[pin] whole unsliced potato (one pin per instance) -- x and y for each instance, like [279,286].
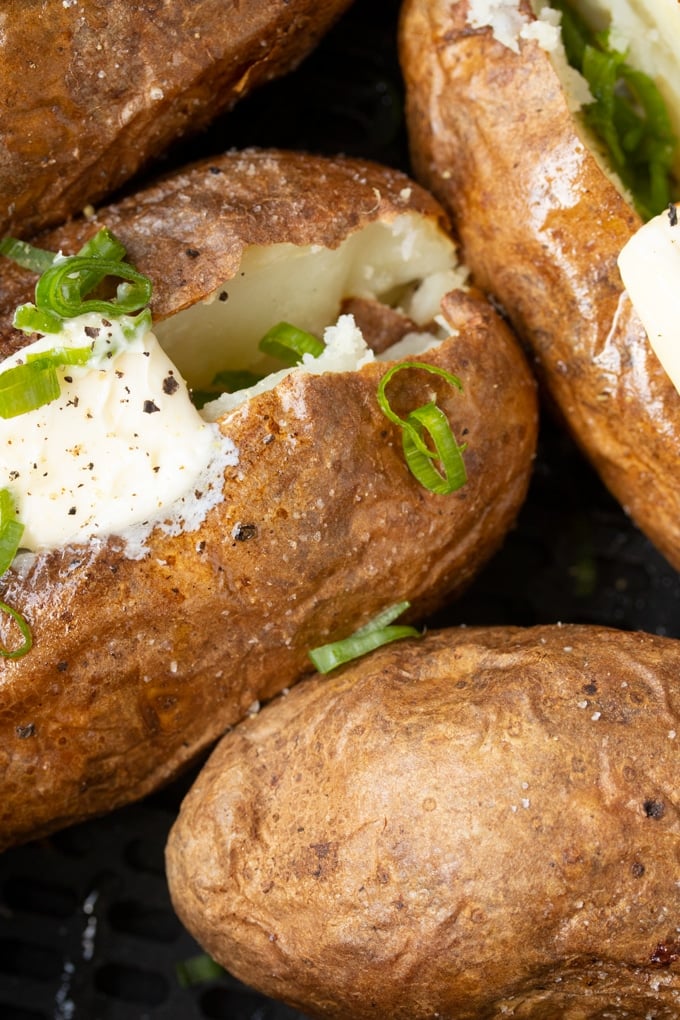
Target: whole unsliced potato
[477,824]
[305,523]
[495,135]
[91,92]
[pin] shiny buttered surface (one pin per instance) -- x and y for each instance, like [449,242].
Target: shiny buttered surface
[493,133]
[307,520]
[478,823]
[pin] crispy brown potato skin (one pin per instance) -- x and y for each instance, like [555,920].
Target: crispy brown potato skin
[541,227]
[479,823]
[92,92]
[138,666]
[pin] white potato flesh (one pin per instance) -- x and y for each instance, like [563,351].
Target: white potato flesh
[408,263]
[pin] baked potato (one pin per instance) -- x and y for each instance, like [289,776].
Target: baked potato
[193,576]
[482,822]
[496,135]
[92,92]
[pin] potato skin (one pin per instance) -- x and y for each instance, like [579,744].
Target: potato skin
[188,229]
[541,227]
[487,815]
[139,665]
[92,92]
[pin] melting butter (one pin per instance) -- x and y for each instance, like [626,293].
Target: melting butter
[649,264]
[121,443]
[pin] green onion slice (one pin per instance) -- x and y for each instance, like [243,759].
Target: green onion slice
[66,281]
[628,113]
[26,255]
[11,530]
[30,319]
[374,634]
[63,286]
[26,387]
[288,343]
[431,419]
[198,969]
[16,653]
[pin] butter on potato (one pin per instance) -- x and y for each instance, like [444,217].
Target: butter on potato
[152,639]
[495,136]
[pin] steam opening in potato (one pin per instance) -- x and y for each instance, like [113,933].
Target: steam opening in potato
[400,269]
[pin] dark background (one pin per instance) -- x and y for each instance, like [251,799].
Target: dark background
[86,926]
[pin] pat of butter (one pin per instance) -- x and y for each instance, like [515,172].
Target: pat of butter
[121,442]
[650,269]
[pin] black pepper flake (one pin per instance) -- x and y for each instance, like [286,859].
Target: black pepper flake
[150,407]
[637,869]
[106,322]
[72,511]
[92,331]
[244,532]
[654,808]
[170,384]
[23,732]
[62,666]
[223,296]
[68,378]
[192,253]
[672,215]
[215,170]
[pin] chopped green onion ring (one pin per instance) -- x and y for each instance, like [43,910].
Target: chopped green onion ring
[62,289]
[26,255]
[432,419]
[26,387]
[30,319]
[17,653]
[198,969]
[11,531]
[628,113]
[288,343]
[376,633]
[63,286]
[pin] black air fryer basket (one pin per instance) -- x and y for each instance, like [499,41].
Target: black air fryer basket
[87,931]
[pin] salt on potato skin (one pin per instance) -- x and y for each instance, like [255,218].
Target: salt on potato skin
[139,663]
[445,810]
[541,225]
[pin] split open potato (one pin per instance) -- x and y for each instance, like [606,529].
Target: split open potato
[292,517]
[498,133]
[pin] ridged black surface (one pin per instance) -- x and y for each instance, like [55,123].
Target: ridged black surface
[87,931]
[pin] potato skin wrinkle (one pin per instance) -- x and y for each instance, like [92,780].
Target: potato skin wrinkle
[90,94]
[541,226]
[139,665]
[487,815]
